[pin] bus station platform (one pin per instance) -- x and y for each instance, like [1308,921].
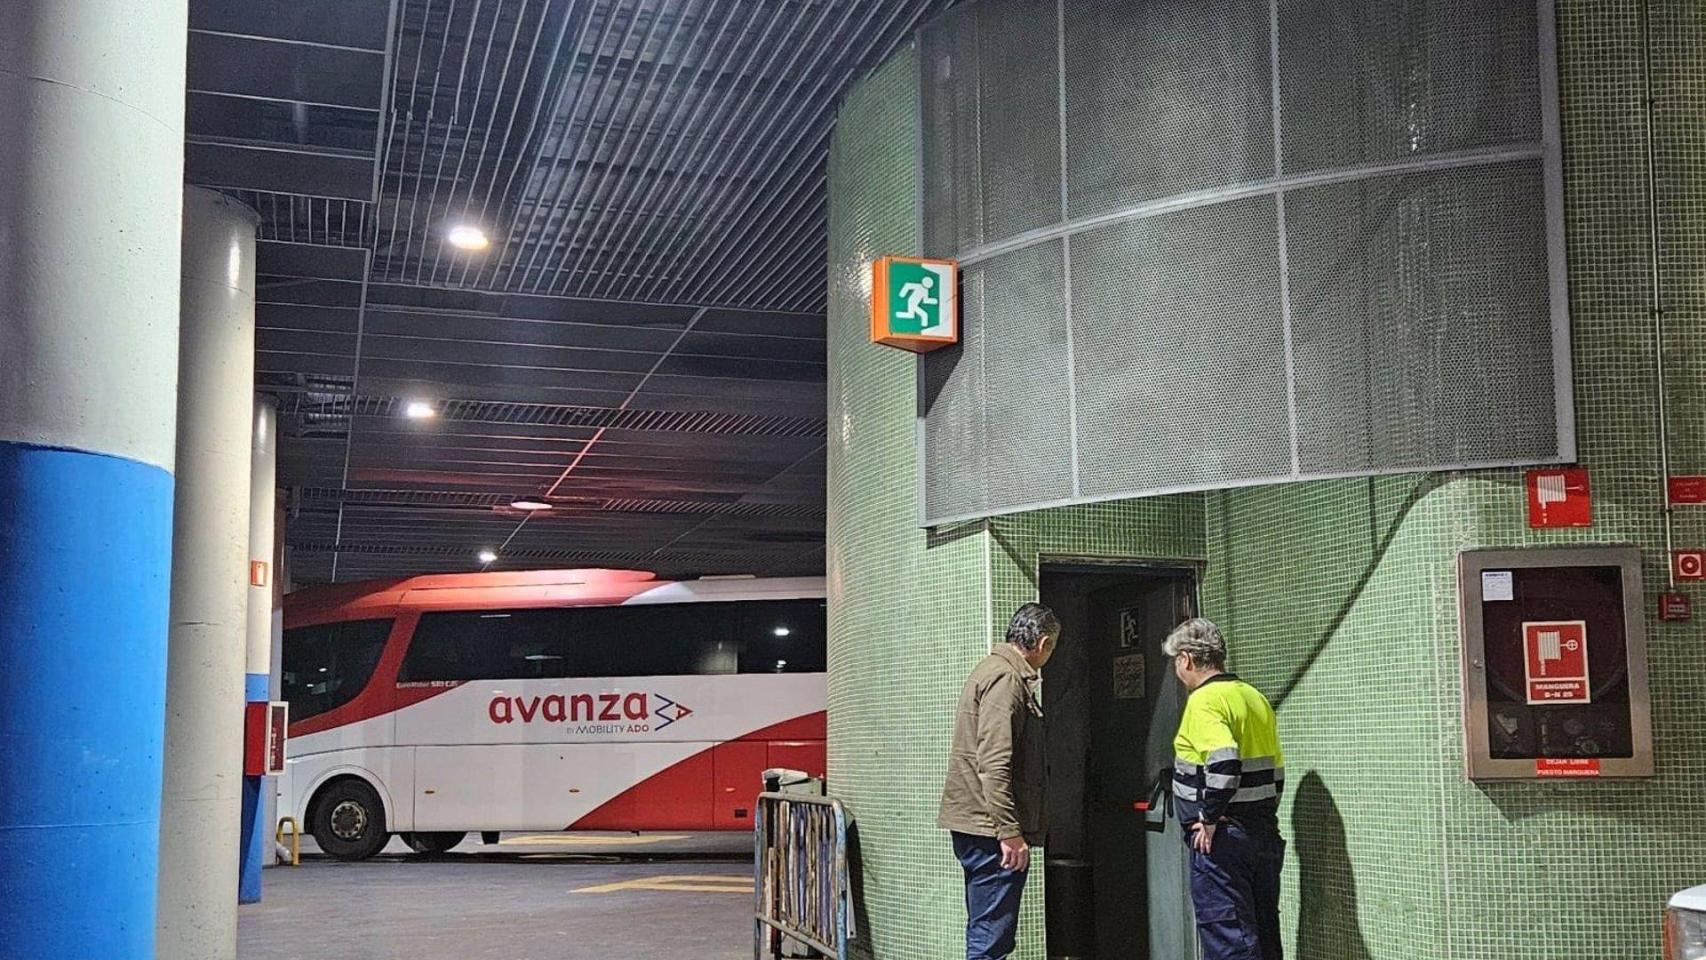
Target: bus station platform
[529,897]
[598,425]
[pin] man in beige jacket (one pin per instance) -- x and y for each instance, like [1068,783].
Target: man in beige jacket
[992,802]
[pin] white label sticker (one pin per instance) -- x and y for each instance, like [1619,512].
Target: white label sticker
[1496,585]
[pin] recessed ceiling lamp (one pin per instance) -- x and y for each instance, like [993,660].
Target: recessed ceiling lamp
[465,237]
[488,556]
[531,506]
[419,410]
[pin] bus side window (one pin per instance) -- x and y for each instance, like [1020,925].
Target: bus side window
[491,645]
[647,640]
[782,636]
[639,640]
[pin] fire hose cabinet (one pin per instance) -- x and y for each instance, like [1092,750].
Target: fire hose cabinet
[264,726]
[1554,663]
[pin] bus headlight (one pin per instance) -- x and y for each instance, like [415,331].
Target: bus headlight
[1685,934]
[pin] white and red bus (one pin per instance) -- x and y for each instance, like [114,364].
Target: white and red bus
[572,699]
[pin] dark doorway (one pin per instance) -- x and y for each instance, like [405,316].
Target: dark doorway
[1115,890]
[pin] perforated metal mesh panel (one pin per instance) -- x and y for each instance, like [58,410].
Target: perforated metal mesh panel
[1164,97]
[1026,376]
[991,96]
[1421,330]
[1382,80]
[953,178]
[952,402]
[1180,350]
[1003,393]
[1287,240]
[1020,128]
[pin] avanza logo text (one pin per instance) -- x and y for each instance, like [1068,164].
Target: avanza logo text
[587,707]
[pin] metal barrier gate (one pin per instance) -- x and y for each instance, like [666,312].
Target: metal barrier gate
[800,875]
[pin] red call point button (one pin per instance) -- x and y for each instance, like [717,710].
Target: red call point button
[1673,606]
[1689,564]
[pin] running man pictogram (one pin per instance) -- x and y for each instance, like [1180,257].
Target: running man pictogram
[918,300]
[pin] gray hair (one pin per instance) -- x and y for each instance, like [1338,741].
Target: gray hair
[1029,625]
[1200,640]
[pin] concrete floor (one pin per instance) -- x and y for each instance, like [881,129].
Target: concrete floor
[533,897]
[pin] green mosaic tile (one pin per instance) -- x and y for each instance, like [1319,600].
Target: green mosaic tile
[895,657]
[911,613]
[1338,597]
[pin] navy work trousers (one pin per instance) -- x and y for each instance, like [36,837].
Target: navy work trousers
[992,897]
[1235,888]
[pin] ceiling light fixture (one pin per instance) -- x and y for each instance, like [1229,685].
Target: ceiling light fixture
[465,237]
[781,631]
[530,506]
[488,556]
[419,410]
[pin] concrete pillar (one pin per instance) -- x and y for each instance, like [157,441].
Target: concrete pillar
[202,792]
[256,840]
[91,174]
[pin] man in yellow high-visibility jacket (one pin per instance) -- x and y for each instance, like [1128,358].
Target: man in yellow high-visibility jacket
[1228,773]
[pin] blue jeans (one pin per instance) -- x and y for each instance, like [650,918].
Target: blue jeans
[1235,889]
[992,897]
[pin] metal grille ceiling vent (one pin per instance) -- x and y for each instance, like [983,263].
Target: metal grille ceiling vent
[544,414]
[662,150]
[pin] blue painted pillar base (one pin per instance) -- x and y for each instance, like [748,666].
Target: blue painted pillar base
[85,580]
[255,843]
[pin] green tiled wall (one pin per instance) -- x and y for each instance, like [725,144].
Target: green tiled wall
[911,613]
[1339,597]
[893,655]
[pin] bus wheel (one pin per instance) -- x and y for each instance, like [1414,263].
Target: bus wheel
[349,821]
[432,843]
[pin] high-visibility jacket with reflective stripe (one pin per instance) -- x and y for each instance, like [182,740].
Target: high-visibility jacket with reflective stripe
[1227,758]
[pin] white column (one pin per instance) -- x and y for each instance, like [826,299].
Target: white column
[202,793]
[91,181]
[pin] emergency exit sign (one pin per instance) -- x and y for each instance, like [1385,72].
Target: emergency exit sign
[915,303]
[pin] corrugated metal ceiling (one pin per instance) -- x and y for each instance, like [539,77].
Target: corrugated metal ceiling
[642,341]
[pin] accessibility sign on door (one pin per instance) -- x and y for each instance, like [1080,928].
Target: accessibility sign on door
[1556,654]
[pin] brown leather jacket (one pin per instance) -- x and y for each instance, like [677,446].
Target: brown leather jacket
[996,763]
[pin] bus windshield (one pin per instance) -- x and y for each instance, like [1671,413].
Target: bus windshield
[327,665]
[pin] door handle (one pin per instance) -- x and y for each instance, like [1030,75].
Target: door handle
[1159,804]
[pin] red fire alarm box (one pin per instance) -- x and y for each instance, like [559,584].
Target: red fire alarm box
[1554,664]
[263,738]
[1673,606]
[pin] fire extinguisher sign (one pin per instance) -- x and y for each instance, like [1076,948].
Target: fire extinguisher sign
[1556,660]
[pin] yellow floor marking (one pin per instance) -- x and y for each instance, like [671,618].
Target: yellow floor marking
[585,840]
[699,883]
